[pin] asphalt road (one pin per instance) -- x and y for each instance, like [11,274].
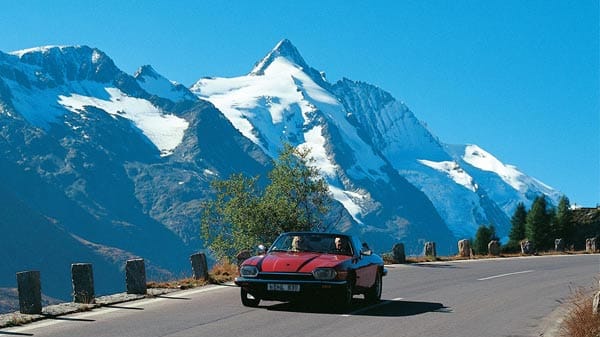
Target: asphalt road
[502,297]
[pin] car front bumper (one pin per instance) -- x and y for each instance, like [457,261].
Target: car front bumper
[259,288]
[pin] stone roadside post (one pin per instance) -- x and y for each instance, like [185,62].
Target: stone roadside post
[596,303]
[494,248]
[526,247]
[30,292]
[590,245]
[135,276]
[464,248]
[559,245]
[430,249]
[82,277]
[199,266]
[398,253]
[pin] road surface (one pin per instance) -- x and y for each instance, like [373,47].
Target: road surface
[497,297]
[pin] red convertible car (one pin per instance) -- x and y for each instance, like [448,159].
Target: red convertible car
[306,264]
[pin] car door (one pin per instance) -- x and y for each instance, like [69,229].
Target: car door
[366,270]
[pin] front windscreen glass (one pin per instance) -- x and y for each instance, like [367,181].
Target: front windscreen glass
[313,242]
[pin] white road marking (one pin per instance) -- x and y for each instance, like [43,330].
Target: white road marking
[358,311]
[503,275]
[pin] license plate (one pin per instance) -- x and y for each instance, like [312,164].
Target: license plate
[283,287]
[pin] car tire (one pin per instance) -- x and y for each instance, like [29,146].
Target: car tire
[344,298]
[247,300]
[373,295]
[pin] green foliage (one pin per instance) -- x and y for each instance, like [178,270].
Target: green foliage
[563,221]
[538,227]
[484,235]
[517,231]
[242,215]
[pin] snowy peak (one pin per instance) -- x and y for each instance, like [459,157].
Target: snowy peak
[146,71]
[155,84]
[69,63]
[284,49]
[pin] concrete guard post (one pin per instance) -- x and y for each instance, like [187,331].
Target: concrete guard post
[596,303]
[494,248]
[590,245]
[399,253]
[30,292]
[199,266]
[430,249]
[82,277]
[526,247]
[559,245]
[464,248]
[135,276]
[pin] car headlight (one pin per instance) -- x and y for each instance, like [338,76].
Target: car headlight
[248,271]
[324,273]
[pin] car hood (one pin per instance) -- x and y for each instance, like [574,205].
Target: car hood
[304,262]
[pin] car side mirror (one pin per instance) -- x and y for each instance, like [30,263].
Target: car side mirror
[261,250]
[366,252]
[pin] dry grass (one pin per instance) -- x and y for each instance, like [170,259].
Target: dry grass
[580,321]
[17,320]
[220,273]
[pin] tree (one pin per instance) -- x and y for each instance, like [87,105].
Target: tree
[243,215]
[483,236]
[537,227]
[517,231]
[563,221]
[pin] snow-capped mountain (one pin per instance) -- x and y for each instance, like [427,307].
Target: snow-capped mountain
[100,166]
[114,170]
[360,136]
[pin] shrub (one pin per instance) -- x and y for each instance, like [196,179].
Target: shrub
[580,321]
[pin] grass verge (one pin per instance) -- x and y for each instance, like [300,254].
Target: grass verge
[220,273]
[580,321]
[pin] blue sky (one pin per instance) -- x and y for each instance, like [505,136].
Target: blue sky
[519,78]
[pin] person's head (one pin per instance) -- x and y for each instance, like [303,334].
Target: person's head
[339,244]
[296,242]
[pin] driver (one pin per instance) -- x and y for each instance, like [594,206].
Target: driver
[297,243]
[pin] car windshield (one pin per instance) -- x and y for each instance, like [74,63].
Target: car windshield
[313,242]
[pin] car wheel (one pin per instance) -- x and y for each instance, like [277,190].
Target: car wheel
[249,300]
[344,299]
[373,295]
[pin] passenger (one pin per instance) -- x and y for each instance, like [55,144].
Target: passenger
[341,246]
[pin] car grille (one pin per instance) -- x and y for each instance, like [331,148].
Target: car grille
[286,276]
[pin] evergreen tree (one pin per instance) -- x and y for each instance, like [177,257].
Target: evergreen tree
[243,215]
[517,231]
[484,235]
[563,220]
[537,227]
